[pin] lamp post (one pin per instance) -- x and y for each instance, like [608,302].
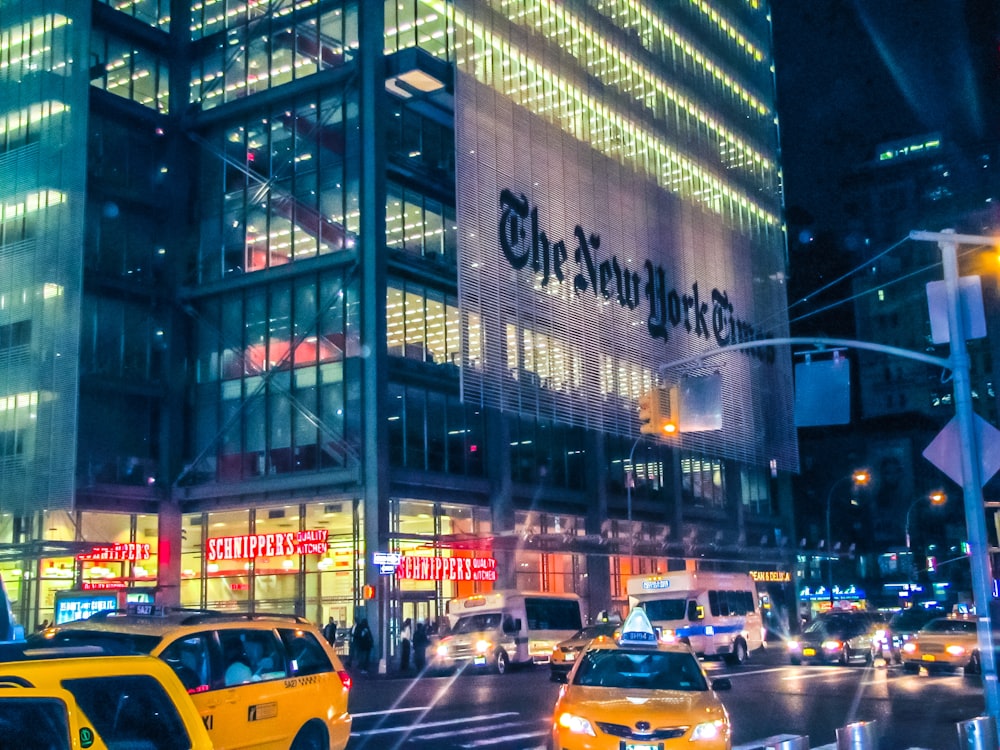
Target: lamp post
[935,498]
[629,481]
[972,479]
[860,477]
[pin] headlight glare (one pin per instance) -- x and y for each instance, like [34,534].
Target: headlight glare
[576,724]
[710,730]
[483,647]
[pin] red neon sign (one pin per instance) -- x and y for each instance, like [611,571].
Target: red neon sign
[417,568]
[250,546]
[125,552]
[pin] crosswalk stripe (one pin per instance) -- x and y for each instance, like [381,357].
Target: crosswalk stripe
[500,740]
[444,723]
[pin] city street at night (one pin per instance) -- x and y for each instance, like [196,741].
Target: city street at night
[769,698]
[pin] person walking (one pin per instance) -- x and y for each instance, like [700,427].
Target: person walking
[330,632]
[362,643]
[404,652]
[420,642]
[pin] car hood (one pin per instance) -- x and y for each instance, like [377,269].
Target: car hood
[658,707]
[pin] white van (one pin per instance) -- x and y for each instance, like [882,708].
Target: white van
[503,628]
[718,614]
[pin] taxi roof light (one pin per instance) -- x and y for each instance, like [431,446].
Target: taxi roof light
[637,629]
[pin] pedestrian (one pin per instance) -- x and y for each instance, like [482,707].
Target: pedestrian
[404,652]
[362,643]
[420,641]
[330,632]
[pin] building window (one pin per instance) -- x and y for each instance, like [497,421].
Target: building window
[429,430]
[755,486]
[703,480]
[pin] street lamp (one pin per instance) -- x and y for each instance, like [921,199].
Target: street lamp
[935,498]
[860,477]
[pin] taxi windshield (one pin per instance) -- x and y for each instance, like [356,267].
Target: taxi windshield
[640,669]
[477,623]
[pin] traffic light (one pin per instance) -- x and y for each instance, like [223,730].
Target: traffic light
[368,591]
[655,414]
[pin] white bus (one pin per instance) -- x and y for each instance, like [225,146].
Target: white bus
[503,628]
[718,614]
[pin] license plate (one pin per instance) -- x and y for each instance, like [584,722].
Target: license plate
[570,657]
[809,652]
[928,657]
[640,746]
[479,660]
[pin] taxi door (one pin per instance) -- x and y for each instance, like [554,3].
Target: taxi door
[250,713]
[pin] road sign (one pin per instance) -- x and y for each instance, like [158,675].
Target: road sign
[945,450]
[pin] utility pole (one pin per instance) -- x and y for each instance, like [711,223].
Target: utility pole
[972,484]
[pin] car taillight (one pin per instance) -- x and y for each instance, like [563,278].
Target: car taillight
[345,679]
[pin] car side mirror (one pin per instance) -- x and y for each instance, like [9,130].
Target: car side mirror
[722,683]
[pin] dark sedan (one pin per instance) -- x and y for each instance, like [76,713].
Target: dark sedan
[837,638]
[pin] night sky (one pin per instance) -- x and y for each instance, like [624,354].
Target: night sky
[854,73]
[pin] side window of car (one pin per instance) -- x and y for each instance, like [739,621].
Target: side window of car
[251,655]
[306,654]
[190,659]
[130,711]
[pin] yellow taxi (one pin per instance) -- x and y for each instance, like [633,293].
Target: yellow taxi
[944,643]
[261,681]
[86,700]
[636,692]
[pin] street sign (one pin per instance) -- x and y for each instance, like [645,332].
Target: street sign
[387,562]
[970,293]
[945,450]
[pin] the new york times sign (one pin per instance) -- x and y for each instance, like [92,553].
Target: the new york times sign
[669,309]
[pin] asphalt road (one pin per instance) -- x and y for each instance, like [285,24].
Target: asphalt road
[769,698]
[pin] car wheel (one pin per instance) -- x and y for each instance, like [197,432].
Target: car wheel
[738,654]
[795,661]
[911,667]
[310,737]
[844,659]
[500,662]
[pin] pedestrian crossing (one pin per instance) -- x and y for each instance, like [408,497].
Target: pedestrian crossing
[502,730]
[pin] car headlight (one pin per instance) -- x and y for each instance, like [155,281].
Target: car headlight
[794,645]
[483,647]
[955,650]
[832,645]
[909,647]
[576,724]
[710,730]
[442,650]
